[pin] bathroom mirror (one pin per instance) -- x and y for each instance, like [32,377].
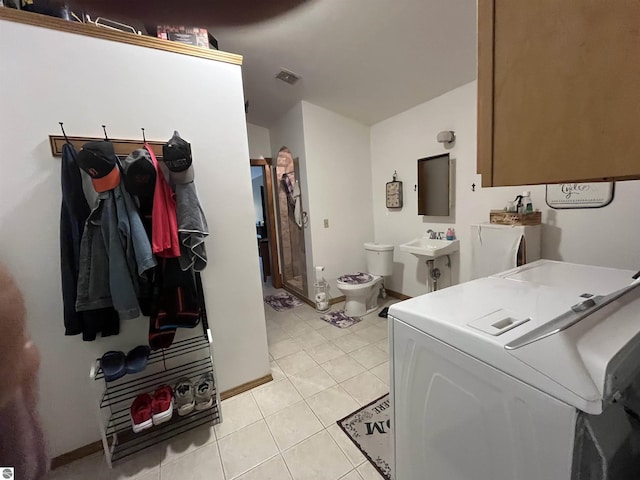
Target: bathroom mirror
[433,186]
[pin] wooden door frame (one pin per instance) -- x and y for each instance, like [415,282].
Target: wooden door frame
[276,278]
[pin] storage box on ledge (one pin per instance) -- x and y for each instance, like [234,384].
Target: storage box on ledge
[198,37]
[500,217]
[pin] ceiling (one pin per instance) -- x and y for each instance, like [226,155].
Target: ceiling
[365,59]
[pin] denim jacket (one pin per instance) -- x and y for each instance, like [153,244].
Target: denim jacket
[114,252]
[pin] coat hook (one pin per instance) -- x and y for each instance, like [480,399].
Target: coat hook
[473,187]
[395,175]
[144,139]
[63,132]
[104,129]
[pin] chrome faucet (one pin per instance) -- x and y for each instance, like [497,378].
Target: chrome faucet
[432,234]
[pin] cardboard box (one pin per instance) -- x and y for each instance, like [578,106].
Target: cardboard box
[189,35]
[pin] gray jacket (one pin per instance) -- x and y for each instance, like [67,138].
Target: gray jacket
[114,252]
[192,228]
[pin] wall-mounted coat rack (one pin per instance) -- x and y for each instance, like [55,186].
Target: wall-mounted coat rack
[190,357]
[122,147]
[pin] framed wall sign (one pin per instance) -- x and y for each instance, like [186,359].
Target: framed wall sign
[393,193]
[580,195]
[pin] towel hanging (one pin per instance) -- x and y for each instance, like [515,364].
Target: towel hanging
[288,189]
[297,208]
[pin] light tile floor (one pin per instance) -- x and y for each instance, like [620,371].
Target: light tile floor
[283,430]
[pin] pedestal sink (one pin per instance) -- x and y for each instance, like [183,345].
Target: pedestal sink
[426,248]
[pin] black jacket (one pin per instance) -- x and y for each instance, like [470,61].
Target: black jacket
[73,215]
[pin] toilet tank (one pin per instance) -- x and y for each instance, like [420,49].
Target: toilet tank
[379,258]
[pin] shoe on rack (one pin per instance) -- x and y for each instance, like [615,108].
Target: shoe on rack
[141,413]
[162,405]
[185,399]
[137,359]
[113,365]
[204,392]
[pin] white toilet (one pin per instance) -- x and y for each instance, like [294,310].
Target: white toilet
[361,289]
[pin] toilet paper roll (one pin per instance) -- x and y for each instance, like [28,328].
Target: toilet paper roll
[319,276]
[321,297]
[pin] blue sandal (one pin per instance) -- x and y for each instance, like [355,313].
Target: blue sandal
[116,365]
[113,365]
[137,359]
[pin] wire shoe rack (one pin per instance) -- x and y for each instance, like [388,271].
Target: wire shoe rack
[190,358]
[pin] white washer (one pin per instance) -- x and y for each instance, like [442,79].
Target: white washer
[496,248]
[491,382]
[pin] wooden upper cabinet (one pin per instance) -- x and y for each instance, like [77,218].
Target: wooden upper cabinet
[558,91]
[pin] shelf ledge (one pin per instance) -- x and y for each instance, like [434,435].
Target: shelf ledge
[89,30]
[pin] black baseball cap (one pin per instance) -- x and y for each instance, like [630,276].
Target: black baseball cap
[176,155]
[99,160]
[139,173]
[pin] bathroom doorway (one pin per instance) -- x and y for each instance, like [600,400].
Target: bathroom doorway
[266,237]
[291,222]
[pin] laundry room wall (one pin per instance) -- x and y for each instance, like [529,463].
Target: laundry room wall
[85,82]
[604,236]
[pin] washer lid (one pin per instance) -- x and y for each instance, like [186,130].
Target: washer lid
[378,247]
[355,278]
[584,365]
[593,280]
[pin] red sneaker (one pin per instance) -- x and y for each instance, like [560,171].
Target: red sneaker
[141,413]
[162,405]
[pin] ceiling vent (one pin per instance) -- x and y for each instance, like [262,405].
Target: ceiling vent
[288,77]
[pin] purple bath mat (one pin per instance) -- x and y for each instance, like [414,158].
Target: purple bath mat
[282,301]
[339,319]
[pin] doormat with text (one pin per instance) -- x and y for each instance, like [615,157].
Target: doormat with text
[369,429]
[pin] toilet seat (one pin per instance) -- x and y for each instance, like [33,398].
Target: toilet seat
[358,278]
[357,281]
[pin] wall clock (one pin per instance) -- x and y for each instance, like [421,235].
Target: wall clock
[394,193]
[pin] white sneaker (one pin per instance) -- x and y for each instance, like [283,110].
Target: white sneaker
[184,394]
[204,392]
